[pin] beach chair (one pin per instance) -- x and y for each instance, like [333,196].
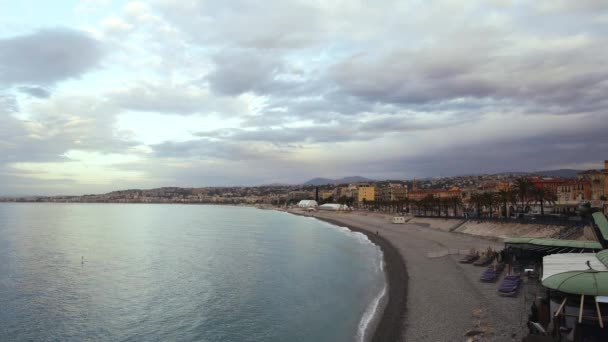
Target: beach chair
[509,286]
[485,261]
[469,259]
[492,273]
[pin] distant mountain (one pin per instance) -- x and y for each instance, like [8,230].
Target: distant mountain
[352,179]
[320,181]
[562,173]
[325,181]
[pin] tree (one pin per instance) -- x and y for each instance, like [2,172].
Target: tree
[505,197]
[489,201]
[477,199]
[523,188]
[455,203]
[542,196]
[428,203]
[416,204]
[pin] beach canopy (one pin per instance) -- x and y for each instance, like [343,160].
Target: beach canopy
[559,263]
[603,257]
[553,245]
[588,282]
[602,224]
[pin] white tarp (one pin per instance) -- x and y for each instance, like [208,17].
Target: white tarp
[333,206]
[560,263]
[307,204]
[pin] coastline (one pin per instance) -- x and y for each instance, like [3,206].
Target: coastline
[389,326]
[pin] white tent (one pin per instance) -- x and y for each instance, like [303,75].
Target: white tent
[333,206]
[308,204]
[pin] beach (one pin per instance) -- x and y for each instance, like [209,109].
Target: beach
[432,297]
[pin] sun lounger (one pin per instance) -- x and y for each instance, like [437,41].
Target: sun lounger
[485,261]
[509,285]
[491,273]
[469,259]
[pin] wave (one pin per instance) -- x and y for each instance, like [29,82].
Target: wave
[362,238]
[370,314]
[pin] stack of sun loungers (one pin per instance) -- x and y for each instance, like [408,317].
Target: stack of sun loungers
[509,285]
[469,259]
[484,261]
[492,273]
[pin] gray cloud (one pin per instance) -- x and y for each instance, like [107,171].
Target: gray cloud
[60,125]
[246,23]
[47,56]
[345,130]
[314,88]
[209,150]
[567,80]
[239,70]
[38,92]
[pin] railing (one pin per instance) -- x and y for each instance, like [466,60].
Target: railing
[544,220]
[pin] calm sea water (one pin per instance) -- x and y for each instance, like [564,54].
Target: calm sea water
[181,273]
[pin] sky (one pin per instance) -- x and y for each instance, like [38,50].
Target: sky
[101,95]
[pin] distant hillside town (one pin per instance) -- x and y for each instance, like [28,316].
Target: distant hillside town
[480,195]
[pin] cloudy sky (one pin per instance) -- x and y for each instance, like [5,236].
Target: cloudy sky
[99,95]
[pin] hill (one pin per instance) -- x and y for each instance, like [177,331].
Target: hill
[325,181]
[562,173]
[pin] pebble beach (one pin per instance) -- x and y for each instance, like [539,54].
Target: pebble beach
[432,297]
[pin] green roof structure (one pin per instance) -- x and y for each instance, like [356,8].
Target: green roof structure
[588,282]
[602,224]
[603,257]
[554,244]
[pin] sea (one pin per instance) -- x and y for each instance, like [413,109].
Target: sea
[156,272]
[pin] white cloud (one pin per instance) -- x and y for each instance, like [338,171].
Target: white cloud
[246,92]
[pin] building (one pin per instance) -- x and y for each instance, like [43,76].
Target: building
[573,191]
[597,178]
[571,194]
[391,193]
[418,194]
[325,194]
[299,195]
[550,184]
[366,193]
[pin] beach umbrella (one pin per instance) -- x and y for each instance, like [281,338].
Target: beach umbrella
[589,282]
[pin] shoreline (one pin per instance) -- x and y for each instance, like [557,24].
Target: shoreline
[389,326]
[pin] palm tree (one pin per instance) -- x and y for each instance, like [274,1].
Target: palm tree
[489,201]
[542,196]
[477,199]
[427,203]
[417,205]
[523,188]
[505,197]
[455,203]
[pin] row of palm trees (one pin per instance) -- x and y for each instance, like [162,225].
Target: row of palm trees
[518,198]
[504,202]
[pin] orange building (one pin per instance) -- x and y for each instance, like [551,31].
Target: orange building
[418,194]
[550,184]
[573,191]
